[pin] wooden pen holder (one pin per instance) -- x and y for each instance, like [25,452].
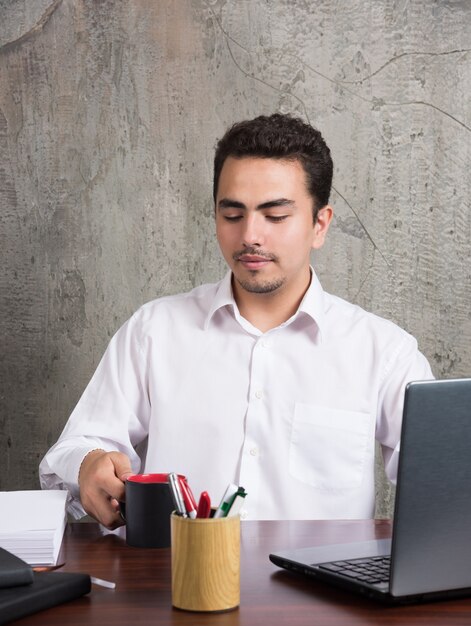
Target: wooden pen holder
[205,563]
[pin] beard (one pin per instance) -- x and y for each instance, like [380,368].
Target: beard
[258,286]
[254,285]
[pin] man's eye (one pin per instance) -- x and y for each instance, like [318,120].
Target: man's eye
[276,218]
[232,218]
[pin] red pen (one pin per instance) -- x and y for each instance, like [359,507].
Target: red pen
[189,500]
[204,505]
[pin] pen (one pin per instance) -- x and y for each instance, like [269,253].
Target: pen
[237,503]
[204,505]
[227,500]
[103,583]
[188,499]
[176,492]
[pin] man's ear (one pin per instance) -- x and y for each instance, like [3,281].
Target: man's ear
[324,217]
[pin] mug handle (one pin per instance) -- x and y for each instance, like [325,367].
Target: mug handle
[122,510]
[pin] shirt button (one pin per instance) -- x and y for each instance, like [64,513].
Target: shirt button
[244,514]
[266,343]
[259,394]
[253,452]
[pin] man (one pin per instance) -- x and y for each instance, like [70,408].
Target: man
[262,379]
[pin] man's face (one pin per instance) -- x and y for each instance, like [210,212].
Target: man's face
[264,224]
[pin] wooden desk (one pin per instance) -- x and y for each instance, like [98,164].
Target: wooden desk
[269,596]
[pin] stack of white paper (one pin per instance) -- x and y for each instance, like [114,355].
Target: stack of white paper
[32,524]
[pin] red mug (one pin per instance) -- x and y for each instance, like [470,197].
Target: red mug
[147,510]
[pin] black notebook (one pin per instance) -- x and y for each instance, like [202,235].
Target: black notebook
[13,571]
[47,589]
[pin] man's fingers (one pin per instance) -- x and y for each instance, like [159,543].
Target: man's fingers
[115,505]
[101,486]
[103,508]
[107,514]
[112,487]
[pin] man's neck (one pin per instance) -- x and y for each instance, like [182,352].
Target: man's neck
[268,310]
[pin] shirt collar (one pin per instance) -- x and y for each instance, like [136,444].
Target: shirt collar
[222,298]
[312,303]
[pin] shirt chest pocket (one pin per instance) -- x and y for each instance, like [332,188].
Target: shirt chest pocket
[328,447]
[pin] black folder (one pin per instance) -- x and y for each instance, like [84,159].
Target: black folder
[47,589]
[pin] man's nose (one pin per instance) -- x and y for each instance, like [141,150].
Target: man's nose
[253,234]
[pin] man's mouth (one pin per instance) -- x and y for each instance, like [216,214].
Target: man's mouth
[253,261]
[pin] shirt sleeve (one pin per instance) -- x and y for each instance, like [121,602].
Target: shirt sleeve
[406,364]
[112,414]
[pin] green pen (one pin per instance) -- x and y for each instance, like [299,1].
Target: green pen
[227,500]
[237,503]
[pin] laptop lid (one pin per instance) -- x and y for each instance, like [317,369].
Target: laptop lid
[431,547]
[431,551]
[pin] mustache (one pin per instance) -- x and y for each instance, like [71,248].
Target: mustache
[251,251]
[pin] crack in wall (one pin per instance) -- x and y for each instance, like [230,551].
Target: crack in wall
[367,275]
[367,233]
[226,34]
[401,56]
[433,106]
[340,83]
[379,101]
[43,20]
[282,92]
[227,38]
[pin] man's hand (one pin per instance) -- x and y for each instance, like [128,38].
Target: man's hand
[101,480]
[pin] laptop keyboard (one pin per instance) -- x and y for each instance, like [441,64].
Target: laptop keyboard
[373,569]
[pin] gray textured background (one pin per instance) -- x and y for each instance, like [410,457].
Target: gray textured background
[109,112]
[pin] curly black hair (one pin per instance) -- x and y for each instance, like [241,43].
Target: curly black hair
[280,136]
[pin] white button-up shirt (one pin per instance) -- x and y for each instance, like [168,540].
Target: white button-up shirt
[291,414]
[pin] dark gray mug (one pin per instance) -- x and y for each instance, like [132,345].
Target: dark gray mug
[147,510]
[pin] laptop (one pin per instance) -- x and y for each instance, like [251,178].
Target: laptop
[429,555]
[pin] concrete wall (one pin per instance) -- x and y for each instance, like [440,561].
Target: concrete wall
[109,112]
